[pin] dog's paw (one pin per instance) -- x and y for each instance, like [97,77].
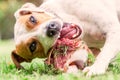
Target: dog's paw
[94,70]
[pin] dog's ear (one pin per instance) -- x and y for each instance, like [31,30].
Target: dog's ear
[28,5]
[24,10]
[17,59]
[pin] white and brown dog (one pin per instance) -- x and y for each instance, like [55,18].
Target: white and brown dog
[37,29]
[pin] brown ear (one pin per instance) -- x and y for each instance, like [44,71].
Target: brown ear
[17,60]
[24,10]
[28,5]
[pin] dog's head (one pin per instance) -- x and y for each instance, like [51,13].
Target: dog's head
[35,32]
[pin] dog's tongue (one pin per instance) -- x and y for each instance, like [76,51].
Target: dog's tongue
[70,31]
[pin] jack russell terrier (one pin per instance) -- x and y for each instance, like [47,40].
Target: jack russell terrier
[37,29]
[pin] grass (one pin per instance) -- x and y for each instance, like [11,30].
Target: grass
[37,71]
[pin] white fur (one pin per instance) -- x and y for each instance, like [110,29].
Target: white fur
[99,19]
[100,22]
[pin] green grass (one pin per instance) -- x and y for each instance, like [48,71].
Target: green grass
[37,71]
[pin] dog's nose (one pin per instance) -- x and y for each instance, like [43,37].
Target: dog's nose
[53,28]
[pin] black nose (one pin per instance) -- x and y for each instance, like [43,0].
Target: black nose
[53,28]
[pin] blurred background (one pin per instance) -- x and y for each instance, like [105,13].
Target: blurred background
[7,19]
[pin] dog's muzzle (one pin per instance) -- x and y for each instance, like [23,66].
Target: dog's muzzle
[53,28]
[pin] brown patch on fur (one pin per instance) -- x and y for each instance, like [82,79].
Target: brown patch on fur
[24,12]
[40,18]
[95,51]
[23,50]
[17,59]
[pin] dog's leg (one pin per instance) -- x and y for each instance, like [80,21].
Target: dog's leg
[109,51]
[105,18]
[112,30]
[111,47]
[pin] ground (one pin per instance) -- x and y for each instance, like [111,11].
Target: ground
[37,71]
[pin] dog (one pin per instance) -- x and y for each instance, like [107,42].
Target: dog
[98,20]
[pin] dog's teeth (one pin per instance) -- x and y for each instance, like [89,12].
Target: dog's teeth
[59,36]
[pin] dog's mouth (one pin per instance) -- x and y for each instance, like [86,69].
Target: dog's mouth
[70,31]
[61,53]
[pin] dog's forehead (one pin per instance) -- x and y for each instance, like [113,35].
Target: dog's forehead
[40,18]
[31,10]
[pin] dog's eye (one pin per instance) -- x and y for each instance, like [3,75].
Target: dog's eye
[33,20]
[33,46]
